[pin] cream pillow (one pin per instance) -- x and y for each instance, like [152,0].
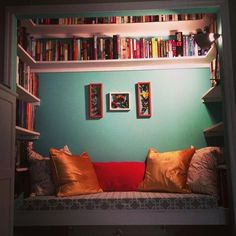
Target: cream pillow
[202,173]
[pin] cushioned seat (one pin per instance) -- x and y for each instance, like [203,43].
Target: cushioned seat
[121,200]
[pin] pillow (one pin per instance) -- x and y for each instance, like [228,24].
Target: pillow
[40,174]
[167,172]
[202,173]
[66,150]
[73,175]
[119,176]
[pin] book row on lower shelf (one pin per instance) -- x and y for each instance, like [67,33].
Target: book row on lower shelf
[25,115]
[115,47]
[26,78]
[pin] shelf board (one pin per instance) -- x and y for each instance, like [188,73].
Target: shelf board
[215,130]
[128,29]
[23,133]
[26,95]
[22,169]
[24,56]
[212,95]
[118,64]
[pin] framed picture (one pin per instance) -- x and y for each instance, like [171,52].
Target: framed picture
[119,101]
[95,101]
[144,108]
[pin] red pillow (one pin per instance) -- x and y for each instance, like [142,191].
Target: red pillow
[119,176]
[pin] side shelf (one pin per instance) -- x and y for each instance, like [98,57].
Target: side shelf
[215,130]
[212,95]
[25,134]
[26,95]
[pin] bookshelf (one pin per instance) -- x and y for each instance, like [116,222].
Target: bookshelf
[117,64]
[106,31]
[165,28]
[26,104]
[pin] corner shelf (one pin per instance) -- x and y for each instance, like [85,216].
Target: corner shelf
[212,95]
[215,130]
[23,133]
[26,95]
[117,64]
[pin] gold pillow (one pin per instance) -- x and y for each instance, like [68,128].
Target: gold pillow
[167,172]
[73,175]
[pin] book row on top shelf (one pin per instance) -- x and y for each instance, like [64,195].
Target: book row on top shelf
[119,19]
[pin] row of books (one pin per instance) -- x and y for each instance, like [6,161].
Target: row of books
[26,78]
[119,19]
[25,115]
[116,47]
[215,71]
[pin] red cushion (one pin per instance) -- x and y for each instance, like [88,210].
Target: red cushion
[119,176]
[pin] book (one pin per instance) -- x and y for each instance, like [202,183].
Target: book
[179,43]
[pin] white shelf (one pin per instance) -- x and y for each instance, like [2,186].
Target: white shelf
[117,64]
[212,95]
[26,95]
[24,56]
[22,169]
[26,134]
[215,130]
[128,29]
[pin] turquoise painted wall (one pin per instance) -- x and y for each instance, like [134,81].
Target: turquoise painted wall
[179,116]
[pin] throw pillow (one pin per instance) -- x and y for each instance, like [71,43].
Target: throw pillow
[119,176]
[167,172]
[40,174]
[73,175]
[202,173]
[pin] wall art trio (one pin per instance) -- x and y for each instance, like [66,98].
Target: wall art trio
[120,101]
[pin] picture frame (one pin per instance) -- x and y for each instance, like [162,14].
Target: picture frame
[95,101]
[144,105]
[119,101]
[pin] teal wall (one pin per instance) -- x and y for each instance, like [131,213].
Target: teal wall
[179,116]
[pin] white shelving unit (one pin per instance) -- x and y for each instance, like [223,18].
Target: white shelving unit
[147,29]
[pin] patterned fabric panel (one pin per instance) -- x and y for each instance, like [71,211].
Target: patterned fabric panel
[121,200]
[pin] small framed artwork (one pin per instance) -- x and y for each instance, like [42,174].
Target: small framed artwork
[119,101]
[95,101]
[144,106]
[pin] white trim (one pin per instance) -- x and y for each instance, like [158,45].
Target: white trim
[230,110]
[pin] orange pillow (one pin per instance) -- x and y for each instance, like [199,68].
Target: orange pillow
[167,172]
[73,175]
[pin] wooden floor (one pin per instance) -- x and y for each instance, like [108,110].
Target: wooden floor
[123,231]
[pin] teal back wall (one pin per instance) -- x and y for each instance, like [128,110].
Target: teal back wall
[179,116]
